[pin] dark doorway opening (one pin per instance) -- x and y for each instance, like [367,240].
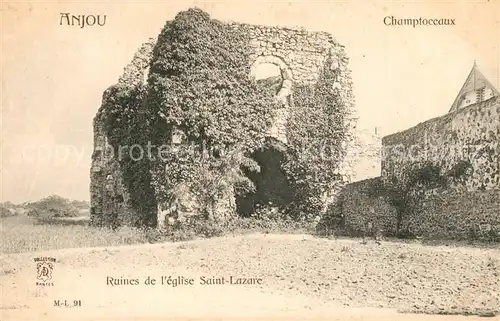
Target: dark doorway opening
[272,187]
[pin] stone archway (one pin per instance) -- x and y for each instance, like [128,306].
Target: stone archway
[286,73]
[278,129]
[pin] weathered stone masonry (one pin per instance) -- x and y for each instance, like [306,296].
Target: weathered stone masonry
[470,207]
[299,54]
[467,208]
[109,197]
[469,134]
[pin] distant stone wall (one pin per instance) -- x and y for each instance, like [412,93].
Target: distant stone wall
[455,214]
[470,134]
[465,207]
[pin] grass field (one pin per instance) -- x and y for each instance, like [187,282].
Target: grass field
[22,234]
[19,234]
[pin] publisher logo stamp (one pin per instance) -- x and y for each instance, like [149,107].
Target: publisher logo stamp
[44,270]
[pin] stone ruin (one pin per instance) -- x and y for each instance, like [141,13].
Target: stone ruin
[298,54]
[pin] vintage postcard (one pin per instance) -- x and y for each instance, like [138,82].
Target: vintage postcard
[250,160]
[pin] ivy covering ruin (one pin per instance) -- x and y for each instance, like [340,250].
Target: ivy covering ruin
[205,117]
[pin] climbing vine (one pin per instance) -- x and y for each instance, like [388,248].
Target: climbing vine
[199,85]
[407,192]
[126,125]
[318,133]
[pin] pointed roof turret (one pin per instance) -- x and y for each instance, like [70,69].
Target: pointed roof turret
[476,88]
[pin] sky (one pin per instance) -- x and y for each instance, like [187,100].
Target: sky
[53,76]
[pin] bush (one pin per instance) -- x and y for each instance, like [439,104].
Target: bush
[5,212]
[402,194]
[52,207]
[81,205]
[460,169]
[266,221]
[185,231]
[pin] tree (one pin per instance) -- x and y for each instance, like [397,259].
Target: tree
[52,207]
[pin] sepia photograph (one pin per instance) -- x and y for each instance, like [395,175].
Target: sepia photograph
[250,160]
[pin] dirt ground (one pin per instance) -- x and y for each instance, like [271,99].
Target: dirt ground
[302,277]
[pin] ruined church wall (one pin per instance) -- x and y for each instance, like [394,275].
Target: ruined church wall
[299,54]
[303,52]
[109,197]
[444,214]
[302,55]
